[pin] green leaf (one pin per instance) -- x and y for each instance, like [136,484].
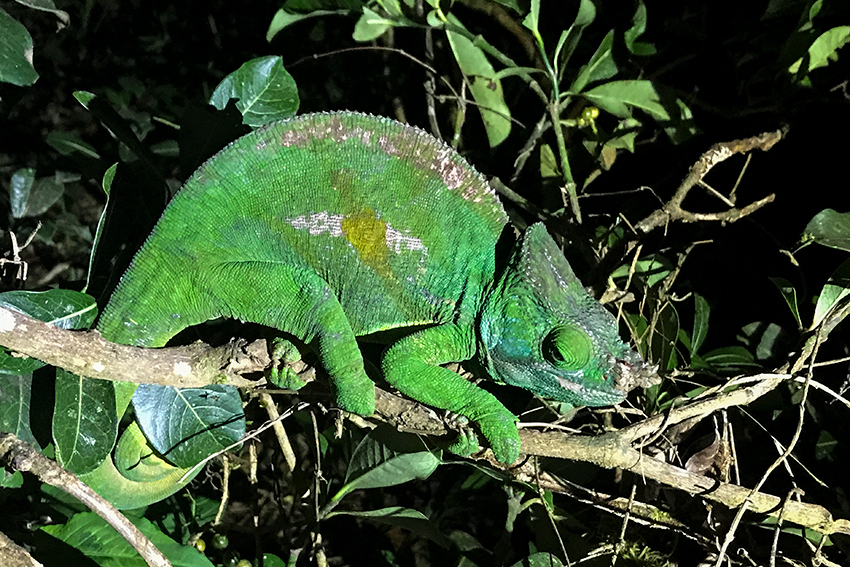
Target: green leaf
[701,313]
[531,19]
[63,308]
[540,559]
[186,425]
[370,25]
[108,178]
[297,10]
[386,457]
[66,144]
[824,49]
[600,67]
[16,365]
[405,518]
[15,398]
[19,190]
[570,37]
[619,97]
[664,336]
[829,228]
[638,27]
[282,19]
[789,294]
[767,340]
[89,534]
[825,446]
[122,130]
[15,52]
[548,163]
[836,289]
[85,424]
[263,89]
[14,480]
[43,193]
[512,4]
[485,86]
[47,6]
[729,360]
[652,270]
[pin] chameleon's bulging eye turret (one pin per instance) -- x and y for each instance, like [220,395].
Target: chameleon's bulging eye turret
[567,347]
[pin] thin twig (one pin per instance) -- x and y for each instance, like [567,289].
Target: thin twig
[673,211]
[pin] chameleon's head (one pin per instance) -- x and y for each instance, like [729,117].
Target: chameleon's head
[540,330]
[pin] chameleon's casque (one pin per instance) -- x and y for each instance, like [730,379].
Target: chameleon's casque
[333,226]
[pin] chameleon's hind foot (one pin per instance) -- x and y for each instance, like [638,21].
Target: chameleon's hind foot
[284,353]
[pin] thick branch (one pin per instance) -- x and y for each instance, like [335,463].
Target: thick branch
[88,354]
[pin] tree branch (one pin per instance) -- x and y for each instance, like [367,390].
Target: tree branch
[673,211]
[18,455]
[88,354]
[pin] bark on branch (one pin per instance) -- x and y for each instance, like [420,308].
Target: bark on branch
[87,354]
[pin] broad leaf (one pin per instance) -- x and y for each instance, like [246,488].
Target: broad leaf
[836,289]
[638,27]
[386,457]
[485,86]
[89,534]
[15,52]
[19,190]
[701,313]
[405,518]
[66,144]
[729,360]
[540,559]
[47,6]
[370,25]
[824,49]
[85,423]
[789,294]
[620,97]
[186,425]
[829,228]
[263,89]
[600,67]
[297,10]
[63,308]
[15,398]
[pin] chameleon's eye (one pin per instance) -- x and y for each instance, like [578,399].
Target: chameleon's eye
[568,348]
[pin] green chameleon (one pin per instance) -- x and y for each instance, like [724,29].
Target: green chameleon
[334,226]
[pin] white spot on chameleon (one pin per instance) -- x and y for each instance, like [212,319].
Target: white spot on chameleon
[7,321]
[395,240]
[98,367]
[182,369]
[318,223]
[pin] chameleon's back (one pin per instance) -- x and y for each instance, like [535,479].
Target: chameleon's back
[393,220]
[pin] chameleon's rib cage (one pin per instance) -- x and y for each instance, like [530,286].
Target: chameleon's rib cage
[381,211]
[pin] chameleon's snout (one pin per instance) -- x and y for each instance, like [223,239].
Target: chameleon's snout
[632,371]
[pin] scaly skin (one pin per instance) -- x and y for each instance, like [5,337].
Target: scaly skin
[333,226]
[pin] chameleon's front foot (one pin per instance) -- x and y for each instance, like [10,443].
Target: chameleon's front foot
[501,433]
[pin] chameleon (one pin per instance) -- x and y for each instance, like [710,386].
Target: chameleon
[337,226]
